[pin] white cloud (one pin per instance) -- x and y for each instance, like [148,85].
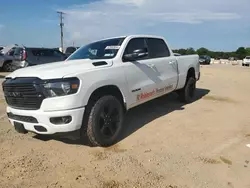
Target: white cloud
[121,17]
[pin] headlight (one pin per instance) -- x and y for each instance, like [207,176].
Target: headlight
[60,87]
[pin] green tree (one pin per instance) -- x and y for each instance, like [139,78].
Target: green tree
[190,51]
[202,51]
[241,53]
[248,51]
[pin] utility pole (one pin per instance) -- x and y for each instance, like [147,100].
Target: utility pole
[61,26]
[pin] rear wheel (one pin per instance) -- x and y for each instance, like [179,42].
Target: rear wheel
[187,93]
[104,122]
[7,67]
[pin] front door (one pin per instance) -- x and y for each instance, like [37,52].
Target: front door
[142,79]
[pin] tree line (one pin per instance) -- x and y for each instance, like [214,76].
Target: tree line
[240,53]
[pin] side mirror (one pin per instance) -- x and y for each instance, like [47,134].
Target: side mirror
[137,54]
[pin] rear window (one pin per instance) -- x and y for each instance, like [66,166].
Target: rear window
[157,48]
[18,51]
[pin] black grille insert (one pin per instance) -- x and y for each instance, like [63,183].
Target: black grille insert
[23,93]
[28,119]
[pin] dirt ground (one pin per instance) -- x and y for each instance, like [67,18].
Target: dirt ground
[166,144]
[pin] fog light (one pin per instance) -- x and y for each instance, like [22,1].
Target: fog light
[61,120]
[40,128]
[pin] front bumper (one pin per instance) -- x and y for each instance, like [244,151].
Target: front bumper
[43,119]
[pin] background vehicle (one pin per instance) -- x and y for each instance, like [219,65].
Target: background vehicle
[246,61]
[6,57]
[1,47]
[96,85]
[205,60]
[70,50]
[26,56]
[233,58]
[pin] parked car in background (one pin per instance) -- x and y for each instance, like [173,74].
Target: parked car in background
[205,60]
[246,61]
[6,57]
[233,58]
[26,56]
[70,50]
[1,47]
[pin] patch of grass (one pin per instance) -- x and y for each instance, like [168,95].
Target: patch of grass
[100,155]
[209,160]
[219,99]
[115,148]
[111,184]
[225,160]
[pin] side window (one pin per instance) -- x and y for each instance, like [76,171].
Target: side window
[157,48]
[135,44]
[57,53]
[36,52]
[48,53]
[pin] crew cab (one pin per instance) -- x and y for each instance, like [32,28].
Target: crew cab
[96,85]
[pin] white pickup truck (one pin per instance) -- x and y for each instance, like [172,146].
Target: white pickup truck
[96,85]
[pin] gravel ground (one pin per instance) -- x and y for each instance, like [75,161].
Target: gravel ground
[166,144]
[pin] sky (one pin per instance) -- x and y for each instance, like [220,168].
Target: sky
[222,25]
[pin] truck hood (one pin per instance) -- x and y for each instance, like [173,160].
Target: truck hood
[60,69]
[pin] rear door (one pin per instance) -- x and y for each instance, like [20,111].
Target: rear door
[164,64]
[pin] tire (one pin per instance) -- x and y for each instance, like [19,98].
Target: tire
[104,122]
[7,67]
[187,93]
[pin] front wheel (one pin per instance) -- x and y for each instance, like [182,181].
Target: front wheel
[104,122]
[187,93]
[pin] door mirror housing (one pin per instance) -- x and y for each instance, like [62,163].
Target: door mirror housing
[137,54]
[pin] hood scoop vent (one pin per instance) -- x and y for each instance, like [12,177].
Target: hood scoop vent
[99,63]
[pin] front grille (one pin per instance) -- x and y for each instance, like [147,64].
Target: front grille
[28,119]
[22,94]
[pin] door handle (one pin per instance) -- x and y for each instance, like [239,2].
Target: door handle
[151,66]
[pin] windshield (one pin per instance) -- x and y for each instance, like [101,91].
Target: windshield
[105,49]
[248,57]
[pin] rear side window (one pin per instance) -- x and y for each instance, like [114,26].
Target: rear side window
[11,52]
[70,50]
[157,48]
[135,44]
